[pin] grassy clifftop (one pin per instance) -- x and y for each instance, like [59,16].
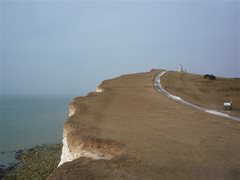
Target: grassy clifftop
[161,139]
[204,92]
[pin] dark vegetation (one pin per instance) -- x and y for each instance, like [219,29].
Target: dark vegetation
[35,163]
[209,76]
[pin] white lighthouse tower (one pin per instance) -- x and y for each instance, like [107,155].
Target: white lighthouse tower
[180,68]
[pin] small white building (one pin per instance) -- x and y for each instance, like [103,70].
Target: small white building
[180,68]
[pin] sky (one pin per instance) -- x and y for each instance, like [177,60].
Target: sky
[69,47]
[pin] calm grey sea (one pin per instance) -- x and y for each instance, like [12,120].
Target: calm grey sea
[26,121]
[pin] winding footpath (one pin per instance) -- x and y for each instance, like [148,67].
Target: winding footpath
[159,88]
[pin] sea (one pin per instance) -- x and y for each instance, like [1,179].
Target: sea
[30,120]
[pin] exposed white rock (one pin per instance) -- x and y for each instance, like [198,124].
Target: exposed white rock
[66,156]
[72,110]
[99,89]
[78,152]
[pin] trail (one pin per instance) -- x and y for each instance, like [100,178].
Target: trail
[159,88]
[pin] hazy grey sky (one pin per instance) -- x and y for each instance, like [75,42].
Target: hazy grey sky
[69,47]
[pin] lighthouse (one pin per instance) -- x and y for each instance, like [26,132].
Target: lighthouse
[180,68]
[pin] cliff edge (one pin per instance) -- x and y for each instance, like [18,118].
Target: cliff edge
[128,130]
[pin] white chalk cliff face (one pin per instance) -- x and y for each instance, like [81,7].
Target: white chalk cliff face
[142,134]
[69,155]
[99,89]
[66,156]
[72,109]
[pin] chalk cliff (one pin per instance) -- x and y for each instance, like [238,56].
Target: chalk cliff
[128,130]
[85,146]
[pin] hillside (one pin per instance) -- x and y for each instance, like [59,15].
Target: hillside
[204,92]
[137,133]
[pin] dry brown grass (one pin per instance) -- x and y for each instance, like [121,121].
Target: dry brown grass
[164,139]
[204,92]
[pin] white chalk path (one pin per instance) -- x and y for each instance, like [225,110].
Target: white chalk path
[159,88]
